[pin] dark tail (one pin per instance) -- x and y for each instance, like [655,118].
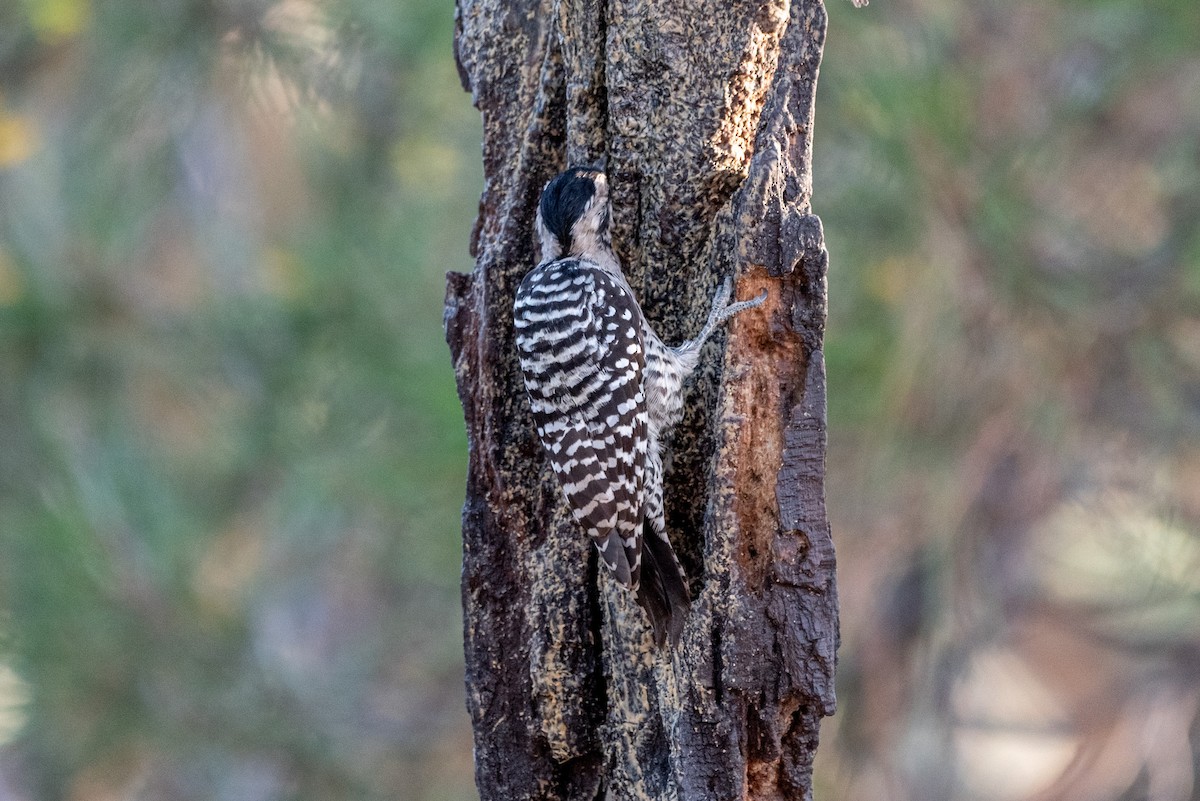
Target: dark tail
[663,590]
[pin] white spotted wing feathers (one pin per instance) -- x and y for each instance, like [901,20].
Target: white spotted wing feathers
[580,343]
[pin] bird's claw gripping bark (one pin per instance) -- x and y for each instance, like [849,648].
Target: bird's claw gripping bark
[722,309]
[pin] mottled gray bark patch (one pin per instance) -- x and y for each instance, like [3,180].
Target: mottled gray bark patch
[702,118]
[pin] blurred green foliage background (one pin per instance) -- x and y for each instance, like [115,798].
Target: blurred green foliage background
[231,453]
[232,459]
[1011,198]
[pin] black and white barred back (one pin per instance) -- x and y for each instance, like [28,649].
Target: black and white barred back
[581,347]
[604,390]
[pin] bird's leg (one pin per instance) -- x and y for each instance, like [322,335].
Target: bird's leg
[722,310]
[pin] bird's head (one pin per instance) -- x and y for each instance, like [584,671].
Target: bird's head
[573,214]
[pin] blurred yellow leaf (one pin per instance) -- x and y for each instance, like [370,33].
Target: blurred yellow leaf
[55,20]
[17,138]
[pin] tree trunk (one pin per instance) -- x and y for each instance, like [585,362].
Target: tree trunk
[702,116]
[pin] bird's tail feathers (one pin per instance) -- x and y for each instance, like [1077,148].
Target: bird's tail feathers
[663,590]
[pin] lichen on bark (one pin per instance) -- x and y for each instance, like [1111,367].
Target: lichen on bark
[702,116]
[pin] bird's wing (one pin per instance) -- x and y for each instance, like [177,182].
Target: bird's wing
[579,339]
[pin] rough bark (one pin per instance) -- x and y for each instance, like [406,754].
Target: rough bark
[702,116]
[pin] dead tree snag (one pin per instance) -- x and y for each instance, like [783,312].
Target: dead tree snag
[702,117]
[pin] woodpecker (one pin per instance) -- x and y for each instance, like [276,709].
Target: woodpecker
[605,390]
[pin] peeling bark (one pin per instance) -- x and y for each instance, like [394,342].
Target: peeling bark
[702,117]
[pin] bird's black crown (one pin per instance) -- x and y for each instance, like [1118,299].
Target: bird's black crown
[565,199]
